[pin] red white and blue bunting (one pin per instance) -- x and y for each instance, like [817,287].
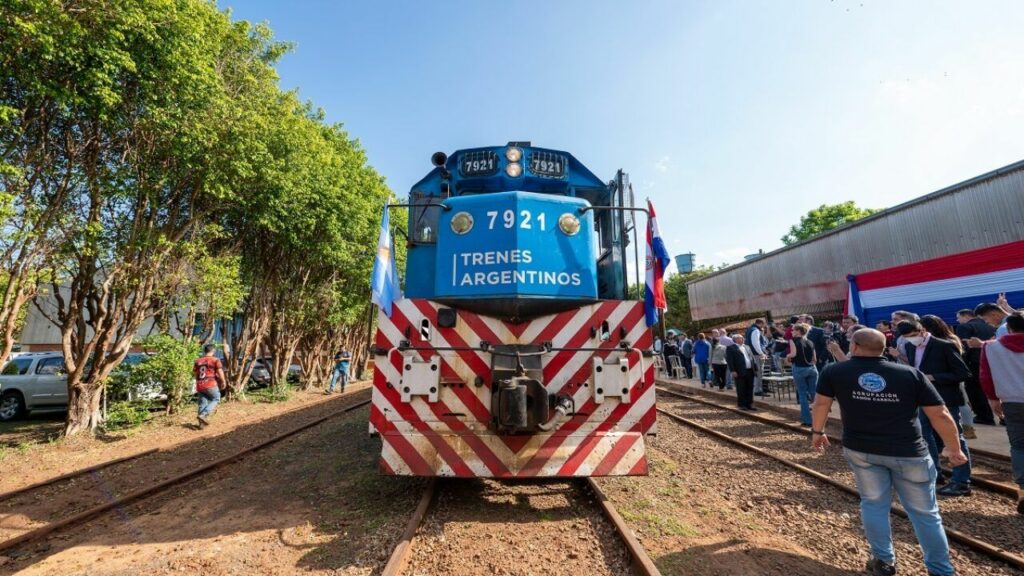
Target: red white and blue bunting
[939,286]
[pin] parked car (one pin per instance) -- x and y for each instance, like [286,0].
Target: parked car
[147,390]
[34,381]
[260,376]
[294,370]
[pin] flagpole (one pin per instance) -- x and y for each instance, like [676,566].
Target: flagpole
[372,308]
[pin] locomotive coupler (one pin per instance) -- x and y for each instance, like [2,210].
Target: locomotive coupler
[564,407]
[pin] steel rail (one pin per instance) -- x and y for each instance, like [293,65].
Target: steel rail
[778,410]
[642,563]
[991,485]
[971,542]
[97,467]
[400,555]
[90,513]
[75,474]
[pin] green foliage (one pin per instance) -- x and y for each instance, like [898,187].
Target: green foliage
[169,366]
[149,144]
[125,415]
[272,394]
[677,296]
[824,218]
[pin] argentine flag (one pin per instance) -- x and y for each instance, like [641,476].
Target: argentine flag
[657,262]
[384,288]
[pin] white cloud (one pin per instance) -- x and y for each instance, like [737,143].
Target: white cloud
[663,164]
[732,255]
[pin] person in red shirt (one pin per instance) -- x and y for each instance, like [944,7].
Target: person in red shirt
[209,375]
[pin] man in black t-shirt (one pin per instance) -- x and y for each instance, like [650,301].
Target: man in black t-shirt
[879,402]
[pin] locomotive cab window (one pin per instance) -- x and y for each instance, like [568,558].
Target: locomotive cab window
[425,216]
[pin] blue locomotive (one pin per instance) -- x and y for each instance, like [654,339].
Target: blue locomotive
[515,351]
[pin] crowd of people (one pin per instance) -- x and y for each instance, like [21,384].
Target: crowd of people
[910,390]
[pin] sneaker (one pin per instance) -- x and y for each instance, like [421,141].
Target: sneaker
[877,567]
[954,489]
[805,424]
[969,433]
[203,422]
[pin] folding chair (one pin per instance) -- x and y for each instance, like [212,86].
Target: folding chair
[675,367]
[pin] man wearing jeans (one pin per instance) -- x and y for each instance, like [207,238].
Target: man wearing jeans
[882,440]
[209,375]
[1002,380]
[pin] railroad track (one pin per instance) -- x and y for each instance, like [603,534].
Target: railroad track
[109,503]
[976,544]
[400,557]
[978,482]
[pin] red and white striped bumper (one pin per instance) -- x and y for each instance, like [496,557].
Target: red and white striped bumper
[440,426]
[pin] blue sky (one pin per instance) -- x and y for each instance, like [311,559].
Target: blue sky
[734,117]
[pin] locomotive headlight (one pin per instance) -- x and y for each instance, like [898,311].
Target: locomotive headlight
[462,222]
[513,154]
[569,224]
[514,169]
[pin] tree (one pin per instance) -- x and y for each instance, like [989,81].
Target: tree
[678,298]
[823,218]
[152,167]
[144,98]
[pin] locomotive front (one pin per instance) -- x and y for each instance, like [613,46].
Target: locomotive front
[514,352]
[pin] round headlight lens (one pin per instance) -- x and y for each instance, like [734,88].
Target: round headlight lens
[462,222]
[513,154]
[569,224]
[514,169]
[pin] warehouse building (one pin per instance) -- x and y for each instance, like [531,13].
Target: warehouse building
[935,254]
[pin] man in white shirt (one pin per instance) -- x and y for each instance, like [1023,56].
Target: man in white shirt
[755,342]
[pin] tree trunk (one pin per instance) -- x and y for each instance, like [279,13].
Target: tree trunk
[84,413]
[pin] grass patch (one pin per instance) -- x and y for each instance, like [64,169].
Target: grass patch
[271,395]
[127,415]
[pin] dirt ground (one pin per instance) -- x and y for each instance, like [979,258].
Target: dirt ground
[486,527]
[710,508]
[313,503]
[316,504]
[37,459]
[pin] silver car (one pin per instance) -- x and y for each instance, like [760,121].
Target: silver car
[33,381]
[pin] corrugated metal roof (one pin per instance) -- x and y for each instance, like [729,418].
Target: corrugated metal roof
[984,211]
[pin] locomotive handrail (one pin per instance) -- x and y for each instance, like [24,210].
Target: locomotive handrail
[439,204]
[547,348]
[585,209]
[636,245]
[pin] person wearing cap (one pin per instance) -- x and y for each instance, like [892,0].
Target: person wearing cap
[941,363]
[879,402]
[340,373]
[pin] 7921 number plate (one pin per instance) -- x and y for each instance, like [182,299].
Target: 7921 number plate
[483,163]
[547,164]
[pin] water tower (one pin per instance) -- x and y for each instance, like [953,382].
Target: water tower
[684,263]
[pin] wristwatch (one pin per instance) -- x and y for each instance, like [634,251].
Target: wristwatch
[821,433]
